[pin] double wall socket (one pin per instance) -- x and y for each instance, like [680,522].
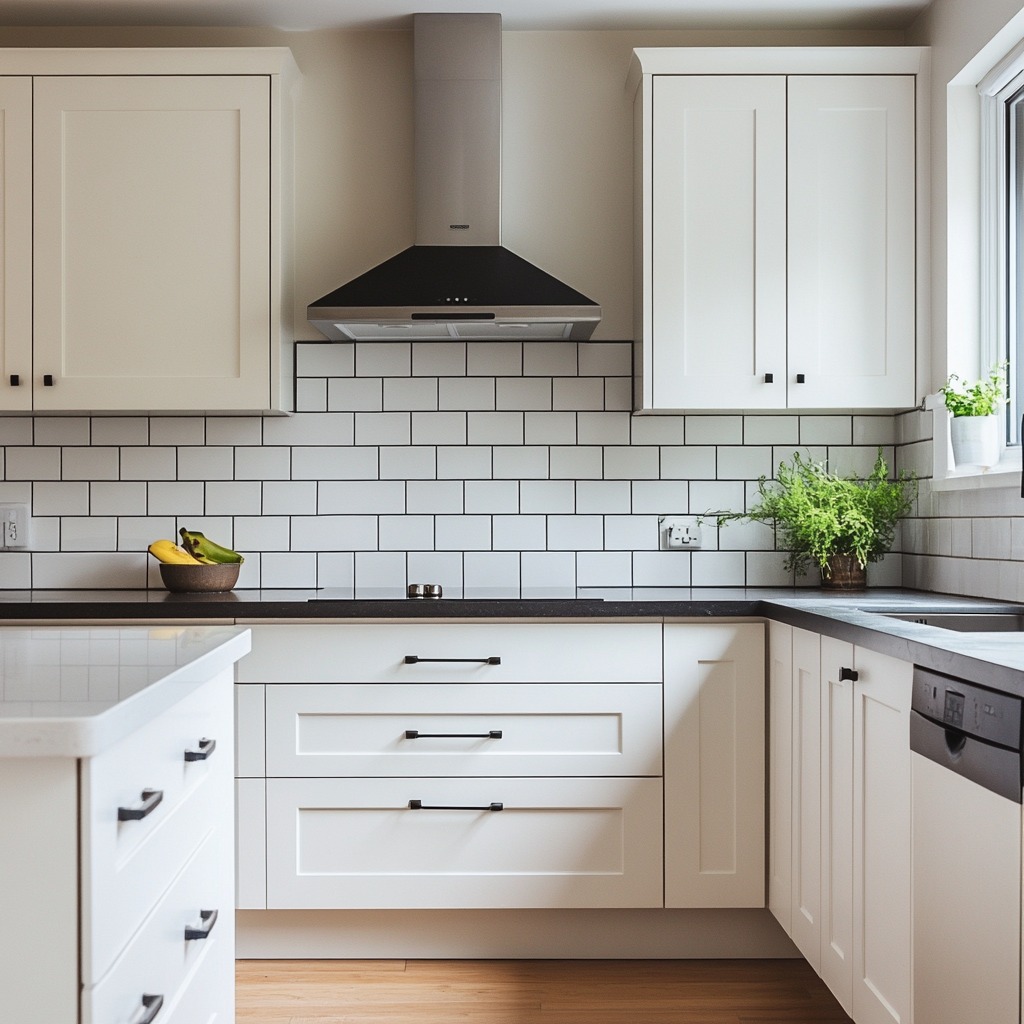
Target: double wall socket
[678,533]
[14,526]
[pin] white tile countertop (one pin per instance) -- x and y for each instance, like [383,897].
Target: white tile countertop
[72,691]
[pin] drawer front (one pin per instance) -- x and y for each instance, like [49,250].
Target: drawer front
[339,843]
[128,865]
[549,652]
[161,962]
[464,729]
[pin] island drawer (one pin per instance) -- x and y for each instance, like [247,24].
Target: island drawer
[554,842]
[463,730]
[133,844]
[464,652]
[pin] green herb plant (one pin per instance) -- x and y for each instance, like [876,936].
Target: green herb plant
[818,514]
[982,398]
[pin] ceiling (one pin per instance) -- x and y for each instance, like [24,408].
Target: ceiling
[304,15]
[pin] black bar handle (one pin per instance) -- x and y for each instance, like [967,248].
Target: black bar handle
[419,805]
[415,659]
[206,748]
[48,383]
[769,378]
[151,1006]
[209,919]
[15,380]
[150,799]
[848,674]
[415,734]
[801,378]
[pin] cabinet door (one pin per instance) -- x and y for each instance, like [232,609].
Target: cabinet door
[837,824]
[852,292]
[806,846]
[152,243]
[719,242]
[882,979]
[16,243]
[714,765]
[780,773]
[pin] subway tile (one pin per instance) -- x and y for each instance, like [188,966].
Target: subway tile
[604,569]
[541,570]
[356,497]
[15,570]
[207,463]
[631,533]
[857,461]
[688,462]
[602,427]
[990,538]
[549,428]
[618,393]
[713,429]
[494,359]
[438,358]
[518,533]
[741,535]
[462,533]
[61,430]
[631,462]
[61,498]
[826,430]
[522,393]
[94,463]
[494,428]
[147,463]
[520,462]
[435,497]
[443,567]
[234,497]
[119,430]
[771,430]
[582,393]
[549,359]
[266,533]
[662,497]
[326,463]
[547,496]
[136,533]
[575,533]
[335,533]
[491,570]
[355,394]
[492,496]
[289,497]
[768,569]
[439,428]
[717,569]
[572,462]
[231,430]
[464,462]
[287,570]
[104,570]
[412,462]
[383,359]
[15,430]
[89,533]
[311,394]
[335,569]
[665,430]
[390,428]
[270,462]
[602,497]
[324,359]
[716,496]
[874,430]
[661,568]
[116,498]
[469,393]
[406,533]
[746,462]
[33,463]
[606,359]
[409,394]
[334,428]
[177,430]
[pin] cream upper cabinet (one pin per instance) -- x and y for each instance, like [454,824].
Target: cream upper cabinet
[155,193]
[777,228]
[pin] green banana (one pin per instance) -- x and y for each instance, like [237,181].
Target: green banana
[205,550]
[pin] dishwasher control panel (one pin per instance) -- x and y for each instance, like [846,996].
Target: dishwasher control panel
[986,714]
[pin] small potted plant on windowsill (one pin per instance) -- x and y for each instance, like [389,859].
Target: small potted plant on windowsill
[974,428]
[833,523]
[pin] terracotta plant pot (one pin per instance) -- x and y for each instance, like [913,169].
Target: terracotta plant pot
[844,572]
[975,440]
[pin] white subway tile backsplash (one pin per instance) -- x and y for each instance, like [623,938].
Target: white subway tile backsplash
[382,428]
[96,463]
[662,430]
[267,533]
[207,463]
[541,570]
[549,359]
[89,533]
[15,570]
[636,462]
[326,463]
[582,462]
[103,570]
[465,462]
[576,533]
[143,463]
[311,394]
[746,462]
[336,569]
[32,464]
[383,359]
[119,430]
[494,427]
[234,430]
[618,393]
[519,533]
[771,429]
[494,359]
[434,497]
[316,359]
[874,430]
[438,428]
[661,569]
[176,499]
[361,497]
[409,393]
[334,428]
[491,569]
[690,462]
[582,393]
[337,533]
[356,394]
[522,393]
[62,430]
[462,533]
[468,393]
[234,497]
[385,570]
[60,499]
[412,462]
[546,496]
[826,430]
[289,497]
[492,496]
[606,359]
[438,358]
[444,567]
[604,569]
[716,496]
[520,463]
[117,499]
[662,497]
[271,462]
[404,533]
[177,430]
[549,428]
[287,570]
[15,430]
[602,428]
[713,430]
[718,569]
[602,497]
[767,569]
[631,533]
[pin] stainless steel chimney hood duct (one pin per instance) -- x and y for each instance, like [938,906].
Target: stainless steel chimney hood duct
[457,281]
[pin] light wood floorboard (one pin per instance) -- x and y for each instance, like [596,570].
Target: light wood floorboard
[532,992]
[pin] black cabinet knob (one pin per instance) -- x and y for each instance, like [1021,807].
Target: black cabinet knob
[769,378]
[47,380]
[15,380]
[848,675]
[801,378]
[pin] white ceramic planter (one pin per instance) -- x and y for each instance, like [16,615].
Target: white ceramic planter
[975,440]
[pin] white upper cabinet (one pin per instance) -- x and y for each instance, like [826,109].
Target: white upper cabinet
[777,228]
[154,246]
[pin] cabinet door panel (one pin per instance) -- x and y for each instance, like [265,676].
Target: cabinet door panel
[152,253]
[714,765]
[719,242]
[16,243]
[852,292]
[780,761]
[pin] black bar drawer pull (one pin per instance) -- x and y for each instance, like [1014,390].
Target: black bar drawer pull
[206,748]
[415,659]
[151,1006]
[419,805]
[415,734]
[209,919]
[848,674]
[15,380]
[150,799]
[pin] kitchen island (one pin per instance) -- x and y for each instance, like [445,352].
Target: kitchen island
[116,750]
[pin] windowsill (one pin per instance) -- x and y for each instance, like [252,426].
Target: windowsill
[947,477]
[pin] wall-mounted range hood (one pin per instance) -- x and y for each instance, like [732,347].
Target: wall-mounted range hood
[457,281]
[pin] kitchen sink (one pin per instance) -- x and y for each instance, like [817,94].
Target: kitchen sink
[965,622]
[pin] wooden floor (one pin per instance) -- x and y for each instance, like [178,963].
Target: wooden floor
[532,992]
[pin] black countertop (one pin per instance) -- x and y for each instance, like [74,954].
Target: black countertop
[993,659]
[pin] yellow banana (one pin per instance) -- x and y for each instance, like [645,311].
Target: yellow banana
[169,552]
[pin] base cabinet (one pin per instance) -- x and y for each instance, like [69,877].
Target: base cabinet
[843,790]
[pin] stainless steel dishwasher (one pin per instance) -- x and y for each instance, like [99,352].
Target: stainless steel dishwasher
[966,778]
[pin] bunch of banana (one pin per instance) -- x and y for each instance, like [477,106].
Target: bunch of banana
[204,550]
[169,552]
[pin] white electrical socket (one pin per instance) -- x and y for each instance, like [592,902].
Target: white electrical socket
[678,533]
[14,526]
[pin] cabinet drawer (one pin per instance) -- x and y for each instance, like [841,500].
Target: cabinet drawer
[128,864]
[464,729]
[585,652]
[340,843]
[160,961]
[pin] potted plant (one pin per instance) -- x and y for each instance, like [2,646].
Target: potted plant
[837,524]
[974,429]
